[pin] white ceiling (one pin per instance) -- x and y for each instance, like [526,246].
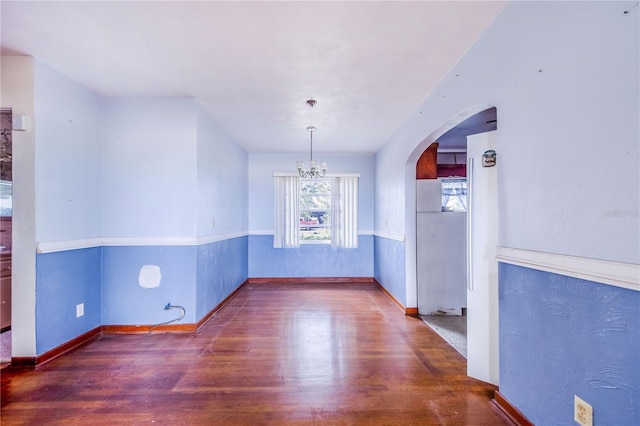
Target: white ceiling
[253,65]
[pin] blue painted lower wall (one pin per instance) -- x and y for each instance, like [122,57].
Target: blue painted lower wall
[105,279]
[389,260]
[125,302]
[309,260]
[64,280]
[221,268]
[562,336]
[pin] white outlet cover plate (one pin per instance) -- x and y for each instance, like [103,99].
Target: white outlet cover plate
[583,412]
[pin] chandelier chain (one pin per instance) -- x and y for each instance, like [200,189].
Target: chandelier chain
[316,170]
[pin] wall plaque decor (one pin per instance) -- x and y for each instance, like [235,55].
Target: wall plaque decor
[489,158]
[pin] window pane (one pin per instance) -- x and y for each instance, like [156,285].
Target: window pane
[454,195]
[315,186]
[315,210]
[6,198]
[315,202]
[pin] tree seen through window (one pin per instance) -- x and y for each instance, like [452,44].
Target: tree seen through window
[315,210]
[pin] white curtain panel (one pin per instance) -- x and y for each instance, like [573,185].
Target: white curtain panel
[287,212]
[344,215]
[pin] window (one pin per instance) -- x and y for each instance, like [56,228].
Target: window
[315,211]
[454,195]
[6,198]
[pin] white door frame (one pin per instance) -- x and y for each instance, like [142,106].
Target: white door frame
[482,266]
[411,284]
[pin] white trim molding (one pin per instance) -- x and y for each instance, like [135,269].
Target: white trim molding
[56,246]
[263,232]
[625,275]
[148,241]
[221,237]
[389,235]
[271,232]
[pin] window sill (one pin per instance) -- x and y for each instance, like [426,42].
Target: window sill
[314,242]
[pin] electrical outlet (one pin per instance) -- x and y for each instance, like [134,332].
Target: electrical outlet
[79,310]
[582,412]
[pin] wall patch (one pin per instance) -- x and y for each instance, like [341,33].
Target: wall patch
[149,276]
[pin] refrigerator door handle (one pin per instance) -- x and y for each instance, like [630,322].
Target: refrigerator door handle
[470,224]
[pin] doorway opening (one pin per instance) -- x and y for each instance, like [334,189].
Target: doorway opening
[6,214]
[441,230]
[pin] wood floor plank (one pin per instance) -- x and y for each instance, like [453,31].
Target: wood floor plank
[277,353]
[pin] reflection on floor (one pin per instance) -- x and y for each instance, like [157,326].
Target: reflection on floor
[5,346]
[452,328]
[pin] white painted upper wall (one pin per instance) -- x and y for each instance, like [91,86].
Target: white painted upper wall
[263,165]
[222,180]
[68,130]
[126,167]
[564,77]
[149,184]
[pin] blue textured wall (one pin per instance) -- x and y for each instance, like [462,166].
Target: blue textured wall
[389,259]
[562,336]
[105,279]
[222,266]
[64,280]
[310,260]
[124,302]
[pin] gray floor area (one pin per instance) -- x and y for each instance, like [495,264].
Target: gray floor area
[452,328]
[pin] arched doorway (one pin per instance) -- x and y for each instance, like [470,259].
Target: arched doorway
[441,239]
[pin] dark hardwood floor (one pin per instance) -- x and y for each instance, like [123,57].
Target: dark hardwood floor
[277,353]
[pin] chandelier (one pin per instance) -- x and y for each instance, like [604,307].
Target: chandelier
[315,170]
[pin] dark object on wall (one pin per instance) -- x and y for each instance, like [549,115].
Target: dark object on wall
[5,146]
[427,167]
[489,158]
[448,170]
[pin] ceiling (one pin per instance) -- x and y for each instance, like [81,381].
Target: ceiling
[253,65]
[456,138]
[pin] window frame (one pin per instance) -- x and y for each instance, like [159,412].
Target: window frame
[345,202]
